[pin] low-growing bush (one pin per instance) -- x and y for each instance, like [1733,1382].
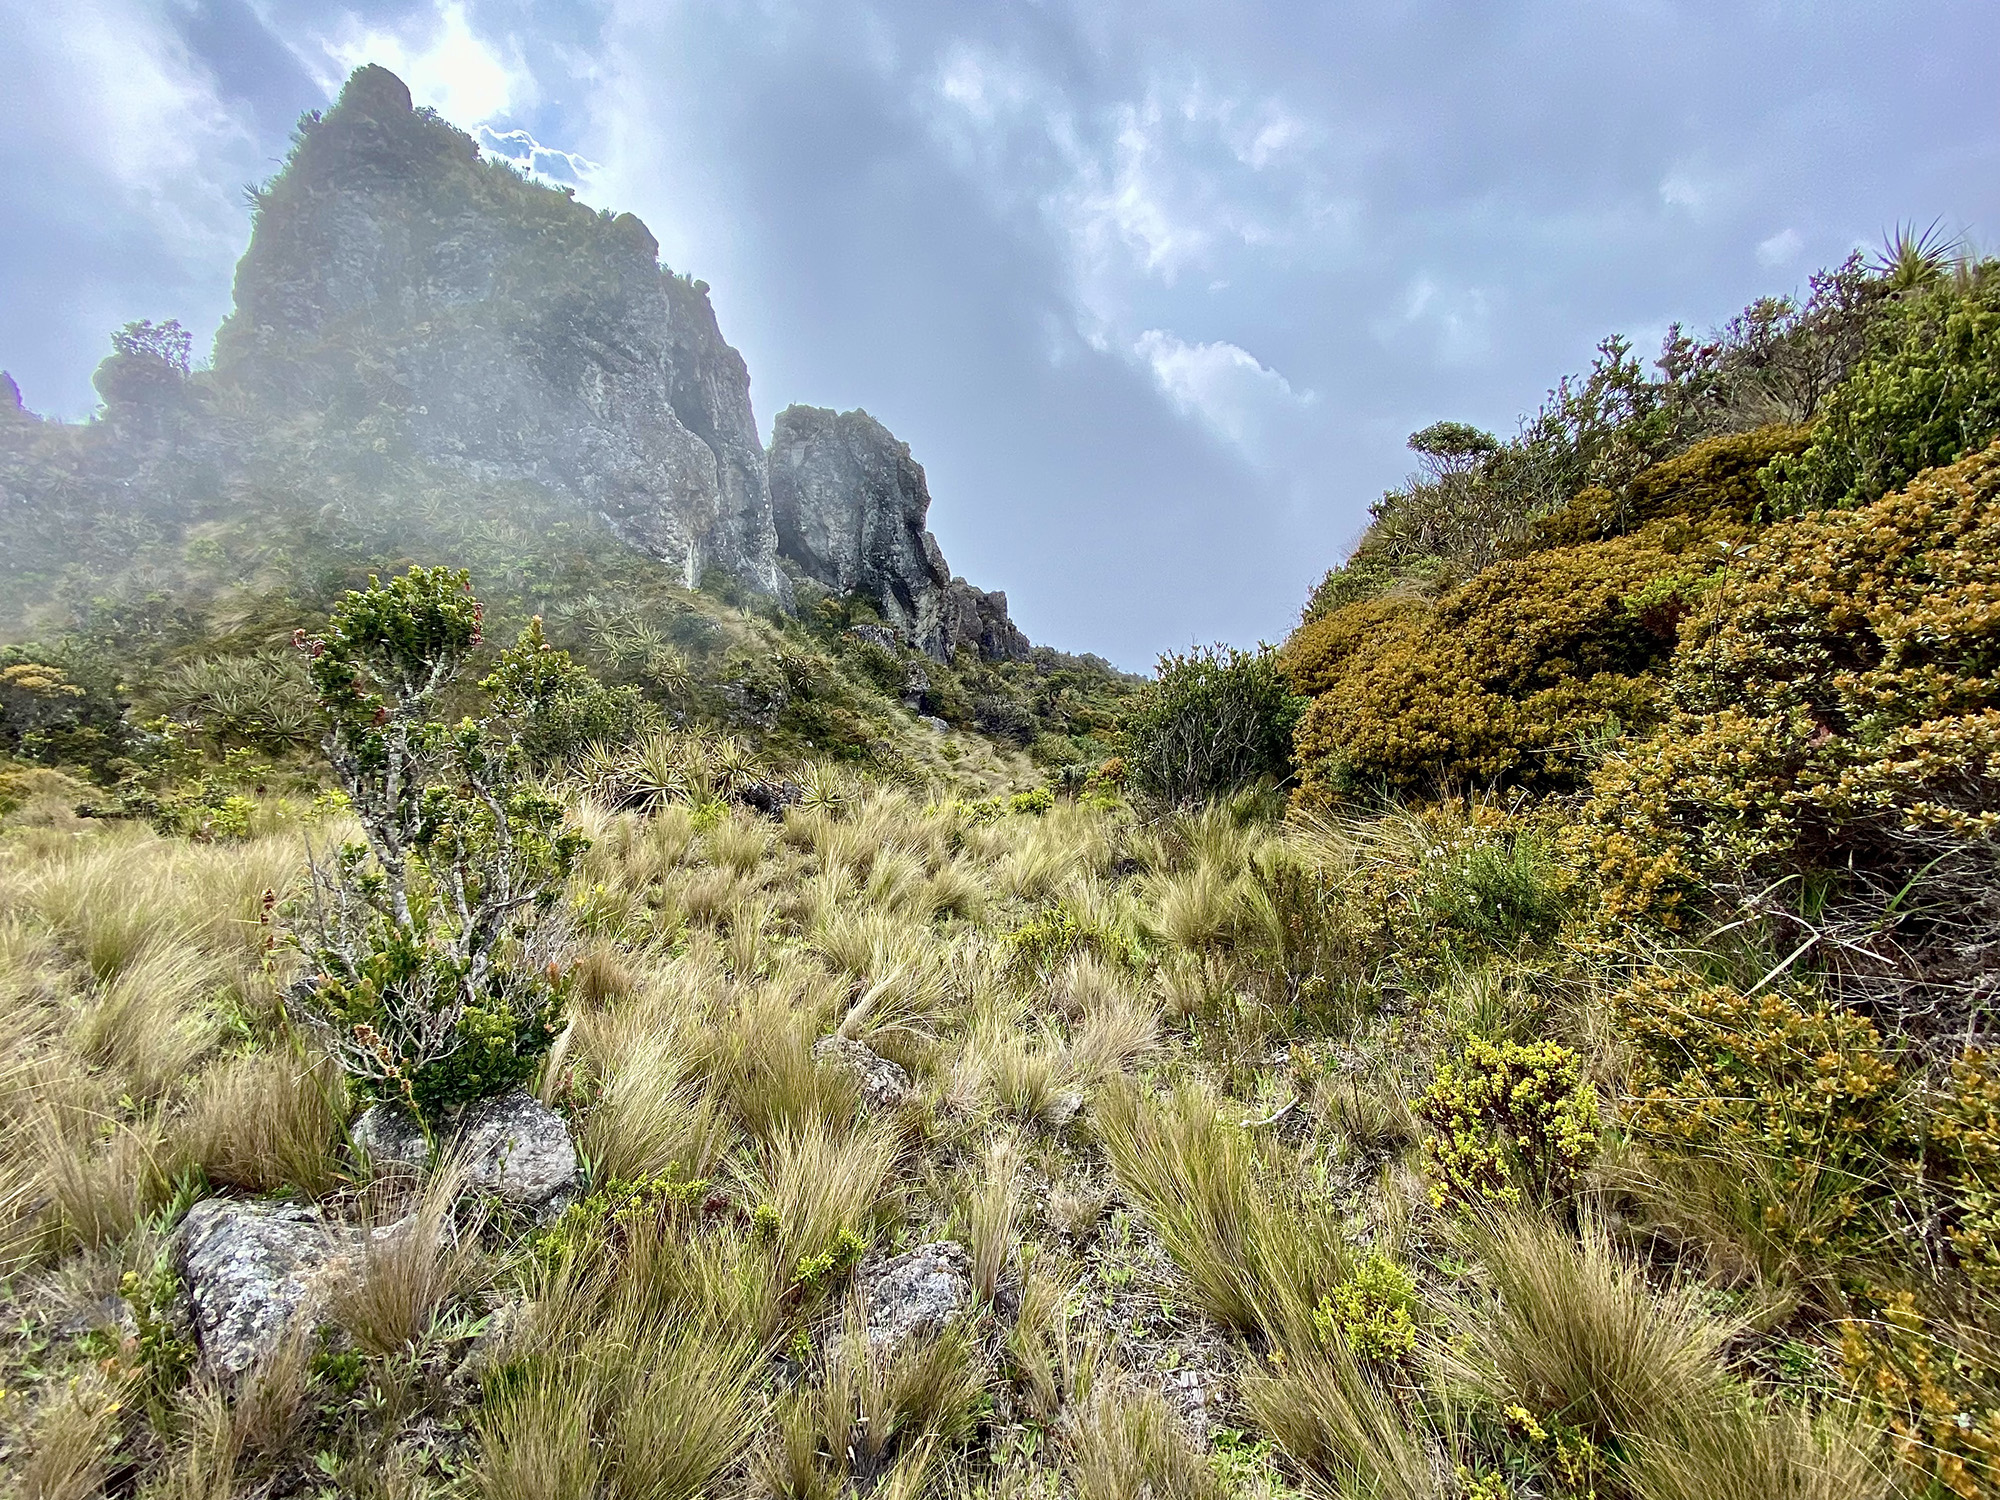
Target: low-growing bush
[1215,720]
[1510,1123]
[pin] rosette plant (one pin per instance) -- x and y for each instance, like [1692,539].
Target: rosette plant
[435,945]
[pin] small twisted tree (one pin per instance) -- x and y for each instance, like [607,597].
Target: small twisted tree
[435,945]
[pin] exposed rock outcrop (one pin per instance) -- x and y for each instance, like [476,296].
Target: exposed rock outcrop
[514,1146]
[502,328]
[850,506]
[254,1270]
[913,1296]
[883,1083]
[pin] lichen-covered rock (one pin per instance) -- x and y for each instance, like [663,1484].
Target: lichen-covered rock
[253,1270]
[884,1084]
[390,1138]
[500,329]
[514,1146]
[518,1148]
[914,1295]
[850,506]
[981,624]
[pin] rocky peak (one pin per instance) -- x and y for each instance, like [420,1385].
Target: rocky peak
[500,327]
[849,503]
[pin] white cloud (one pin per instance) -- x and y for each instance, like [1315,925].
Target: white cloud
[109,90]
[1681,189]
[1457,320]
[1227,387]
[546,163]
[445,62]
[1781,249]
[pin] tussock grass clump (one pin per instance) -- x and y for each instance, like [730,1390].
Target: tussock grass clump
[1258,1257]
[652,1119]
[411,1267]
[1337,1421]
[267,1120]
[877,1422]
[148,1022]
[1574,1334]
[1749,1451]
[73,1439]
[1129,1444]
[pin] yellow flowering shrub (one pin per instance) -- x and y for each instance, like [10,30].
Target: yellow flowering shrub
[1966,1133]
[1806,1087]
[1835,735]
[1932,1390]
[1512,675]
[1509,1122]
[1718,479]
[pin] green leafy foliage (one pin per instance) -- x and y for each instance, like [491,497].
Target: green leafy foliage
[1372,1310]
[1510,1122]
[1927,392]
[1215,720]
[434,949]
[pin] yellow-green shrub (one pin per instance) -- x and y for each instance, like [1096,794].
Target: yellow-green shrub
[1967,1134]
[1803,1087]
[1836,725]
[1509,1122]
[1720,479]
[1521,671]
[1510,675]
[1371,1310]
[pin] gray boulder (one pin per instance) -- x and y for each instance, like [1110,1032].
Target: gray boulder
[884,1084]
[914,1295]
[390,1138]
[519,1148]
[514,1146]
[253,1270]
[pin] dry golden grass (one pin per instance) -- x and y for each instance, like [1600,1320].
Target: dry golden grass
[150,1021]
[417,1259]
[823,1180]
[1258,1254]
[1574,1334]
[990,1213]
[1128,1444]
[73,1439]
[652,1118]
[1337,1422]
[263,1121]
[1750,1451]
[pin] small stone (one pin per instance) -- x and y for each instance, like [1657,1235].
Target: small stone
[884,1084]
[253,1270]
[932,721]
[1064,1108]
[914,1295]
[388,1137]
[518,1148]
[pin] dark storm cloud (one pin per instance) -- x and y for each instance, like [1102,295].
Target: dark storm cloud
[1154,292]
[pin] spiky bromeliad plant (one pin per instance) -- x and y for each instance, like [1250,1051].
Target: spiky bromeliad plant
[434,946]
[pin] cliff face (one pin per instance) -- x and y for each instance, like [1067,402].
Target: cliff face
[395,281]
[850,505]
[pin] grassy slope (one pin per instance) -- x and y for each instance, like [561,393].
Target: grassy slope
[1245,1011]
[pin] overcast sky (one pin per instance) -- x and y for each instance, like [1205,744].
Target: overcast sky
[1154,291]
